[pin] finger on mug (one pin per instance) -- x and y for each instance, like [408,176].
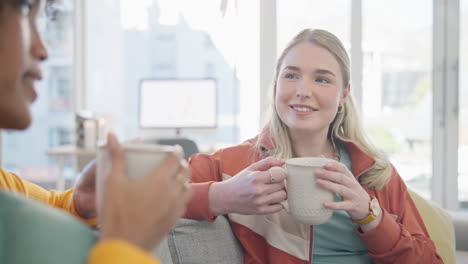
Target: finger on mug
[184,173]
[186,167]
[180,151]
[117,154]
[276,174]
[276,197]
[271,209]
[340,189]
[269,176]
[183,189]
[336,166]
[182,177]
[265,164]
[332,176]
[274,187]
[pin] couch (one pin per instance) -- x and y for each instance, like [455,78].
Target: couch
[193,241]
[460,222]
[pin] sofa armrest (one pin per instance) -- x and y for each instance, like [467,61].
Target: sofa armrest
[460,222]
[462,257]
[439,226]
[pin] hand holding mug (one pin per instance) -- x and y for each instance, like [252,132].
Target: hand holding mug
[336,177]
[305,197]
[251,191]
[84,196]
[140,209]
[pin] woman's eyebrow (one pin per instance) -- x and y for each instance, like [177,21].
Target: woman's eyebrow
[324,71]
[319,71]
[292,68]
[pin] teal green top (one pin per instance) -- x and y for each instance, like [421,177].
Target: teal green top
[32,232]
[336,240]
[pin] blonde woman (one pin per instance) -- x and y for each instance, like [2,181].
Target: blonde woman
[312,115]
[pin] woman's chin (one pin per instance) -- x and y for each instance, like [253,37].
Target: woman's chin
[20,122]
[24,125]
[307,128]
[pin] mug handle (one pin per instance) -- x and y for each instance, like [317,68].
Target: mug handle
[283,203]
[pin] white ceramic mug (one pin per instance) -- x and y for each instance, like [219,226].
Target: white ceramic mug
[141,159]
[305,197]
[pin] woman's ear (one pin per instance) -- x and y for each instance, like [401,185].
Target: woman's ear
[345,94]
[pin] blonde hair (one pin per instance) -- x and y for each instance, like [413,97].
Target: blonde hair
[346,127]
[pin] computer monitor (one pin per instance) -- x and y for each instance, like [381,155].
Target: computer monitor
[178,103]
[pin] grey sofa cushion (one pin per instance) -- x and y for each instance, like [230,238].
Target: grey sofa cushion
[162,252]
[460,221]
[194,241]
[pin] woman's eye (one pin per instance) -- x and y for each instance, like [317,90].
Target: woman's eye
[291,76]
[322,80]
[26,6]
[25,9]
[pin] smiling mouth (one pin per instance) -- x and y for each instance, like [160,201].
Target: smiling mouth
[29,85]
[303,109]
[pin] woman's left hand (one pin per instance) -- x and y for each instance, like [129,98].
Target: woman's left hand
[336,178]
[84,196]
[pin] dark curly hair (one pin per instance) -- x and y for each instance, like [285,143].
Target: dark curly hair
[19,3]
[14,3]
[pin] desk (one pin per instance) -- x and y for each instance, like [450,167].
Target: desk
[80,157]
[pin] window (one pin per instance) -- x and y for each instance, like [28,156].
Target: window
[397,85]
[60,88]
[59,136]
[294,16]
[209,70]
[170,40]
[165,37]
[463,116]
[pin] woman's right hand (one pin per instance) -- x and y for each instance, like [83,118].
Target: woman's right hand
[251,191]
[142,211]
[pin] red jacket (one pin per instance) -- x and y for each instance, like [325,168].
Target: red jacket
[404,240]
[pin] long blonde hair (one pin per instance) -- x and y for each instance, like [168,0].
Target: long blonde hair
[346,127]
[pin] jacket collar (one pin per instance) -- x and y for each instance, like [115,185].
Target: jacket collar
[360,160]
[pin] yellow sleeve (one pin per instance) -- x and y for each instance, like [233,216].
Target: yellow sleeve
[119,252]
[64,200]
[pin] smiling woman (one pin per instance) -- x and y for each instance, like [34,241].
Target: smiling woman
[312,115]
[18,76]
[42,229]
[323,73]
[54,106]
[308,94]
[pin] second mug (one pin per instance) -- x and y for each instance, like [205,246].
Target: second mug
[305,197]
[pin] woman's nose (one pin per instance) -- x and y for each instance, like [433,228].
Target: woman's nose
[304,89]
[38,48]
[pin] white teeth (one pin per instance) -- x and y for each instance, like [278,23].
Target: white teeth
[302,109]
